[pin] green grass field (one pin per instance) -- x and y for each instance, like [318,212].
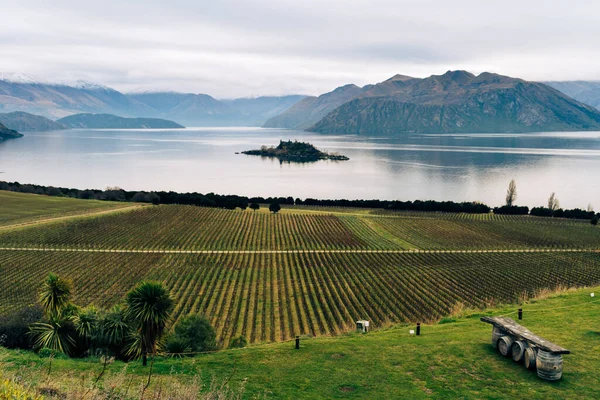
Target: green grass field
[449,360]
[18,208]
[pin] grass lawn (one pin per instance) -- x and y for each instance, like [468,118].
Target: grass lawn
[449,360]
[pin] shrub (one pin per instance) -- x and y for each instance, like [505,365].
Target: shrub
[238,342]
[14,328]
[196,332]
[176,345]
[47,353]
[594,221]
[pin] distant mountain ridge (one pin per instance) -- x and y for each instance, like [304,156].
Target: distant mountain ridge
[310,110]
[25,122]
[109,121]
[19,92]
[587,92]
[455,102]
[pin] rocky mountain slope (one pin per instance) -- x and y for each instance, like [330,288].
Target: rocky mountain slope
[109,121]
[458,101]
[25,122]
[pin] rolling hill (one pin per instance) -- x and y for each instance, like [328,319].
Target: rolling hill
[6,133]
[109,121]
[25,122]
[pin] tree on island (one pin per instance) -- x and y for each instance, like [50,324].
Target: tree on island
[511,193]
[274,207]
[255,206]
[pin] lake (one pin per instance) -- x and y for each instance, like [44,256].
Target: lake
[465,167]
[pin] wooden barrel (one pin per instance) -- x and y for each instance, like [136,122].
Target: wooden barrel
[497,333]
[518,350]
[529,357]
[504,345]
[549,365]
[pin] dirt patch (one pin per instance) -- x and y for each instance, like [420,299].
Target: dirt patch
[337,356]
[347,388]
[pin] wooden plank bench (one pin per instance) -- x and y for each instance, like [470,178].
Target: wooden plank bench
[512,339]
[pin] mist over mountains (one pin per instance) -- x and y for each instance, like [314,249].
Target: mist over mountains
[55,101]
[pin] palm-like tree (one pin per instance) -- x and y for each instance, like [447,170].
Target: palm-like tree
[55,295]
[58,333]
[149,306]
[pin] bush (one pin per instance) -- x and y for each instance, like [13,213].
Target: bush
[594,221]
[238,342]
[177,346]
[15,327]
[196,332]
[47,353]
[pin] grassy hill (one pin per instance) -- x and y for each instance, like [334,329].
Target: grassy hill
[453,359]
[20,208]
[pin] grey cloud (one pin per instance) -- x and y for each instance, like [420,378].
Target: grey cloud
[241,48]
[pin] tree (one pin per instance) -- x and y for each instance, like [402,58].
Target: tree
[55,295]
[553,203]
[511,193]
[149,307]
[274,207]
[255,206]
[58,333]
[594,220]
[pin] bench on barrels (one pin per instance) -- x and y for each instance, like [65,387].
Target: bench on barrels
[518,342]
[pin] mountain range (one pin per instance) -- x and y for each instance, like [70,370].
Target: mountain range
[55,100]
[455,102]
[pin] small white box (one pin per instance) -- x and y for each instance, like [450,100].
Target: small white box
[412,331]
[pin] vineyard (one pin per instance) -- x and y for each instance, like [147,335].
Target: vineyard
[196,228]
[16,208]
[273,297]
[312,273]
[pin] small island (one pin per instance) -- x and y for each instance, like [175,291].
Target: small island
[298,152]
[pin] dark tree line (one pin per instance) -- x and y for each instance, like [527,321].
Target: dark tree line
[234,201]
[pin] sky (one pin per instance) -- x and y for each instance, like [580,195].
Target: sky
[273,47]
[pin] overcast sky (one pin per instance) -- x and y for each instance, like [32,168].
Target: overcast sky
[272,47]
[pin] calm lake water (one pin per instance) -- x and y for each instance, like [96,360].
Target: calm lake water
[440,167]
